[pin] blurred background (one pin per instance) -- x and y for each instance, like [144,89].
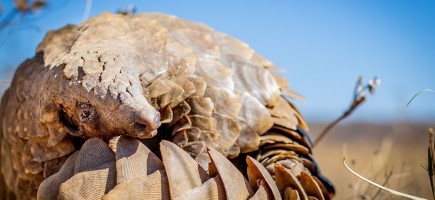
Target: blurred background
[322,47]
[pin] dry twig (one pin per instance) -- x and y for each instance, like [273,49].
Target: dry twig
[430,165]
[358,98]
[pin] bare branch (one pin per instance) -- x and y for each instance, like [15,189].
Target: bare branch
[390,173]
[359,97]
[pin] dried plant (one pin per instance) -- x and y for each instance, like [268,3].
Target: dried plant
[377,169]
[430,165]
[21,7]
[387,179]
[418,93]
[130,10]
[374,168]
[380,186]
[25,6]
[359,96]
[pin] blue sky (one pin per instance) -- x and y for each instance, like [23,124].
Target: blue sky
[322,45]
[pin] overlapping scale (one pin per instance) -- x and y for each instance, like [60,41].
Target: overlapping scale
[213,94]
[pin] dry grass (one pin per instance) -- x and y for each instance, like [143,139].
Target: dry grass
[389,154]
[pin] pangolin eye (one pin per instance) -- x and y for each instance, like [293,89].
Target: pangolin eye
[87,112]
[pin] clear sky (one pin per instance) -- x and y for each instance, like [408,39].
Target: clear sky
[322,45]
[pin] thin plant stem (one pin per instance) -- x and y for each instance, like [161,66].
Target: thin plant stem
[418,93]
[390,173]
[358,99]
[430,161]
[329,127]
[380,186]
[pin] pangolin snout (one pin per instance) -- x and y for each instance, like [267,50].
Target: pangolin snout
[147,124]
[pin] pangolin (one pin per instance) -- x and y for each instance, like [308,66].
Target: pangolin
[117,85]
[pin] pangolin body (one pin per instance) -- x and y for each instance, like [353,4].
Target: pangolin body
[150,77]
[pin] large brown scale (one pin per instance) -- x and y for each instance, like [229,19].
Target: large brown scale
[75,113]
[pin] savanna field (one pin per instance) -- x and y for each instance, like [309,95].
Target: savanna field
[392,154]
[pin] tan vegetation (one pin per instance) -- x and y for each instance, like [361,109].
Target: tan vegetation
[392,154]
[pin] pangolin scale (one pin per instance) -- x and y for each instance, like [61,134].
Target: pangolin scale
[73,108]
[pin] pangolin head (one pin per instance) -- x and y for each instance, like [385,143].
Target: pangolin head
[103,79]
[88,115]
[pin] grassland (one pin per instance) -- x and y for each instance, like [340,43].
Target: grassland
[393,154]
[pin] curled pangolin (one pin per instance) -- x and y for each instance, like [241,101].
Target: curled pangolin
[72,111]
